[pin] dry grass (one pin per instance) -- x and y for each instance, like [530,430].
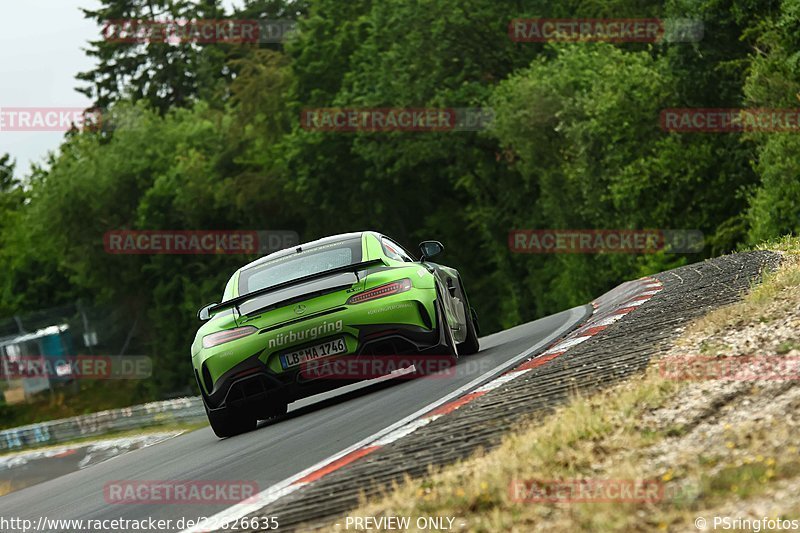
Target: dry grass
[774,287]
[567,445]
[741,456]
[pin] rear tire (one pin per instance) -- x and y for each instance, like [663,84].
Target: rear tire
[450,343]
[471,344]
[227,423]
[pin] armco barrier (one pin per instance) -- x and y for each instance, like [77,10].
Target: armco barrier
[188,409]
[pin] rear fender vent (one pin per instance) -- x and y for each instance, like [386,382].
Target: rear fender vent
[207,381]
[426,318]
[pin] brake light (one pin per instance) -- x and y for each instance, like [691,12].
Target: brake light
[395,287]
[221,337]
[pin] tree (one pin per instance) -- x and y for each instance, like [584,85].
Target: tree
[774,83]
[163,74]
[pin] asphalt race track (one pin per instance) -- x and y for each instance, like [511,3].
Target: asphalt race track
[312,431]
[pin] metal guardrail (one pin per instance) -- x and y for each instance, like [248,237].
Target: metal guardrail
[189,409]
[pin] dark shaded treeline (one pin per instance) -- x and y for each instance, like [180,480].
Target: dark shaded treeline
[208,137]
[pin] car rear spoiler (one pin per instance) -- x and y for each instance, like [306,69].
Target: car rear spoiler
[236,302]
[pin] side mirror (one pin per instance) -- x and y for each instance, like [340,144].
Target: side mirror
[203,314]
[429,249]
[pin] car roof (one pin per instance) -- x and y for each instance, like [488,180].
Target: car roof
[310,244]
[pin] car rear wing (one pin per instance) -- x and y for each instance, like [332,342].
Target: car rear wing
[236,302]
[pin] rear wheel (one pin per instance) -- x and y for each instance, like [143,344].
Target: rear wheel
[227,423]
[471,345]
[449,344]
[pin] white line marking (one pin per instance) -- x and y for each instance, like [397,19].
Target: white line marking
[635,303]
[607,321]
[407,430]
[497,382]
[286,486]
[567,344]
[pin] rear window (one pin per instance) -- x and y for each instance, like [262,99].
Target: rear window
[395,251]
[307,262]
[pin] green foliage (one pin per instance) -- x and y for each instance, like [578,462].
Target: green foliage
[774,83]
[161,73]
[209,137]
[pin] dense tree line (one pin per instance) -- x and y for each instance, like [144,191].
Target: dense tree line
[200,136]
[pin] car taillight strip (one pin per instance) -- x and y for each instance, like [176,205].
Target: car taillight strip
[222,337]
[394,287]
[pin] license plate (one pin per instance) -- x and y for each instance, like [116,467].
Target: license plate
[323,349]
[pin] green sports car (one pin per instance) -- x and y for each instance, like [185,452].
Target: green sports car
[356,295]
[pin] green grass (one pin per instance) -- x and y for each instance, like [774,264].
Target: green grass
[64,402]
[162,428]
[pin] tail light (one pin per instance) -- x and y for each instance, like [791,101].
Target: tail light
[221,337]
[395,287]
